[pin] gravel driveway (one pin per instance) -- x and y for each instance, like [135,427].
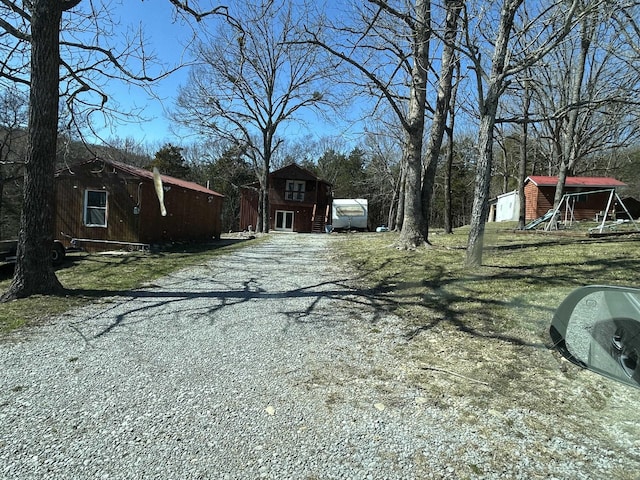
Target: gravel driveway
[264,363]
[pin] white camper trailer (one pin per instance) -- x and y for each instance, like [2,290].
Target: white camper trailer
[349,214]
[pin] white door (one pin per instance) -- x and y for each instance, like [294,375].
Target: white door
[284,220]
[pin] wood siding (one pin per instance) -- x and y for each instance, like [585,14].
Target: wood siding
[539,200]
[133,213]
[122,224]
[317,196]
[248,208]
[536,203]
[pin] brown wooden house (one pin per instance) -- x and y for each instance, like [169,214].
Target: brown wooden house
[539,192]
[298,201]
[105,204]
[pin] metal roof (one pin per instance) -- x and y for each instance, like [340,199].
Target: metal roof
[545,181]
[166,179]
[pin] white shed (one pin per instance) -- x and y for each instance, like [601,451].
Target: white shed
[508,207]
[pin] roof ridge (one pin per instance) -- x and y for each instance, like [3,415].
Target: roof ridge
[142,172]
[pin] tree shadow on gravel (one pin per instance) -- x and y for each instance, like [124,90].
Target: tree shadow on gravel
[208,303]
[487,304]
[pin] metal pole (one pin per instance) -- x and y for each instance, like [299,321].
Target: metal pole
[606,212]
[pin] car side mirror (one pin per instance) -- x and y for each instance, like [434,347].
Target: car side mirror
[598,328]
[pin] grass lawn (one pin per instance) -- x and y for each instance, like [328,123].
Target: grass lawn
[523,278]
[89,277]
[477,339]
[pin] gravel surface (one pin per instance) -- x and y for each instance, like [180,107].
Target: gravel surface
[265,363]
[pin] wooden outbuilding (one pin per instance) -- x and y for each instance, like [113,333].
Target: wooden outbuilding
[103,204]
[539,192]
[299,201]
[632,207]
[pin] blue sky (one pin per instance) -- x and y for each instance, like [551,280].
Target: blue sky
[168,37]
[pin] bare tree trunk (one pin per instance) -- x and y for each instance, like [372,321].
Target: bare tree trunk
[266,217]
[448,204]
[401,195]
[260,217]
[488,111]
[480,209]
[411,235]
[439,121]
[34,272]
[563,172]
[505,167]
[393,207]
[267,150]
[522,166]
[448,227]
[570,141]
[413,224]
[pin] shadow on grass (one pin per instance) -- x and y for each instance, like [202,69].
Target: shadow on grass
[493,300]
[523,240]
[487,303]
[348,301]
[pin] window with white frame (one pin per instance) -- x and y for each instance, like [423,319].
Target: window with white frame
[294,190]
[95,208]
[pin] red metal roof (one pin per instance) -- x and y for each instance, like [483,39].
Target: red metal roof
[166,179]
[544,181]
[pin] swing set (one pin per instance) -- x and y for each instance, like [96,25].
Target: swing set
[609,225]
[564,215]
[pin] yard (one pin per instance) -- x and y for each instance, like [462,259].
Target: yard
[473,344]
[479,339]
[89,277]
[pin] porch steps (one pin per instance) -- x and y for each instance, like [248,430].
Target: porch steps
[319,220]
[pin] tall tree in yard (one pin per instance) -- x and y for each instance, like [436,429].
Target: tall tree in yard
[550,26]
[31,43]
[34,272]
[448,168]
[443,102]
[387,48]
[488,108]
[253,79]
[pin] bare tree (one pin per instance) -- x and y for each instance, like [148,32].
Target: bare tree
[443,101]
[32,57]
[254,78]
[587,91]
[450,128]
[488,106]
[581,100]
[524,153]
[383,142]
[13,132]
[387,49]
[548,26]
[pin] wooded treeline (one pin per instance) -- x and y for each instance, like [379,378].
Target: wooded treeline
[457,100]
